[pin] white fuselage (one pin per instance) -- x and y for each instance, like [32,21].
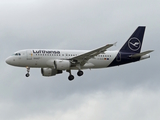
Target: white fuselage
[43,58]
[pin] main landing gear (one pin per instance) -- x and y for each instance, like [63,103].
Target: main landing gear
[28,69]
[80,73]
[71,77]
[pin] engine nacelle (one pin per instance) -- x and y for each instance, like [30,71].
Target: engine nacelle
[50,71]
[62,64]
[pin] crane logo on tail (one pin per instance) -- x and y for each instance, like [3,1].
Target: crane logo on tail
[134,44]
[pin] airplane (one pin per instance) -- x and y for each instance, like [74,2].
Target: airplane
[54,61]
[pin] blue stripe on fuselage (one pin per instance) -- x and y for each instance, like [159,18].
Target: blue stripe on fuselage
[123,58]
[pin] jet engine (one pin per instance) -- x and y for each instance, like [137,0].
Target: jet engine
[62,64]
[50,71]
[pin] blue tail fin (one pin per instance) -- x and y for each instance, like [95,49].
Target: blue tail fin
[134,43]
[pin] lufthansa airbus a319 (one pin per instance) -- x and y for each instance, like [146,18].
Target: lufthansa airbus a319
[53,62]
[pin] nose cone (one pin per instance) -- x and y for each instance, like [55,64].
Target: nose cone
[8,60]
[13,61]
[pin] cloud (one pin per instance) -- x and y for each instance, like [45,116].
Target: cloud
[125,92]
[139,103]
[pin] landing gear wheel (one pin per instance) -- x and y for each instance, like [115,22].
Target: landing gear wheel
[28,69]
[80,73]
[71,77]
[27,75]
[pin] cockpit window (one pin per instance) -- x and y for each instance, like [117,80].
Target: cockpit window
[17,54]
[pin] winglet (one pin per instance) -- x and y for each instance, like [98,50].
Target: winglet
[115,43]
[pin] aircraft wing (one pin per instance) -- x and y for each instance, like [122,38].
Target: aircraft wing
[141,54]
[83,58]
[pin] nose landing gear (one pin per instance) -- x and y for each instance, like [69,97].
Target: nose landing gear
[27,74]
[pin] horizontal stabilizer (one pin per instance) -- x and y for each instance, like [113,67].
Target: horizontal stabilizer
[141,54]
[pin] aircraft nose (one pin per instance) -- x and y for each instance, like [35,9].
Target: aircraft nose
[12,61]
[8,60]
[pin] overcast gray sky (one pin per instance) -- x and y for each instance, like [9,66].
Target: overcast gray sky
[126,92]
